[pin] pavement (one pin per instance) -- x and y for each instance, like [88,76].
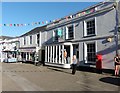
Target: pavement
[28,77]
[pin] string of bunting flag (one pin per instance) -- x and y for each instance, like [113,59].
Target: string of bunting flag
[54,21]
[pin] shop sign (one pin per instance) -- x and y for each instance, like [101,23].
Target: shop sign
[27,50]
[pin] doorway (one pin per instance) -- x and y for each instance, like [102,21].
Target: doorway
[67,48]
[43,57]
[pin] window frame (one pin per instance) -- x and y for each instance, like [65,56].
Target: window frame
[67,32]
[38,40]
[30,38]
[86,52]
[24,40]
[85,27]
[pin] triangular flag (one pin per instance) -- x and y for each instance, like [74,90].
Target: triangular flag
[79,14]
[21,24]
[17,24]
[46,22]
[7,24]
[71,16]
[10,24]
[32,23]
[83,13]
[36,23]
[67,17]
[88,11]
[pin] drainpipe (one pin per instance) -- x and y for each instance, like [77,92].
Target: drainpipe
[117,36]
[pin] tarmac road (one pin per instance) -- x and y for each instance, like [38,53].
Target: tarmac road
[27,77]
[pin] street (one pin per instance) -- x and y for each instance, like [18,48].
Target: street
[28,77]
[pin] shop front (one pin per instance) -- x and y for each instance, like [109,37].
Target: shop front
[59,55]
[27,54]
[9,56]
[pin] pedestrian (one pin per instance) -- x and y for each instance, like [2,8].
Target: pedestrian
[74,64]
[117,64]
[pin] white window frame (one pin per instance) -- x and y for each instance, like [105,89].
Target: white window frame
[24,40]
[85,50]
[40,39]
[85,27]
[37,39]
[30,39]
[54,39]
[67,33]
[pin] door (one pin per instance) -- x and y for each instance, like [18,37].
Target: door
[43,57]
[67,49]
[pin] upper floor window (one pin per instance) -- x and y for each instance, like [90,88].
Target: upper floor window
[30,39]
[70,32]
[89,27]
[38,39]
[24,41]
[57,34]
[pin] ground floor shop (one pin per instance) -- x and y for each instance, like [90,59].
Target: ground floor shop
[61,54]
[27,54]
[32,54]
[86,53]
[9,56]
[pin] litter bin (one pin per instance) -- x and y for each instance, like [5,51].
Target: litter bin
[99,63]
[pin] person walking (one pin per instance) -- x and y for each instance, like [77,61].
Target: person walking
[117,64]
[74,65]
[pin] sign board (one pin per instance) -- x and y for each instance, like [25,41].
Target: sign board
[59,32]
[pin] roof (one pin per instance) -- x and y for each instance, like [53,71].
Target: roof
[35,30]
[6,37]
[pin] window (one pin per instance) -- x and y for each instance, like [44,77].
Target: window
[30,39]
[38,37]
[91,52]
[24,40]
[70,32]
[89,28]
[55,35]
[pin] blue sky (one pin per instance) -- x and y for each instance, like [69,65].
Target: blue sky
[29,12]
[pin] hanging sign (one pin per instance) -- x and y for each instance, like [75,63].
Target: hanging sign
[59,32]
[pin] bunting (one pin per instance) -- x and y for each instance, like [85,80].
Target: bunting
[54,21]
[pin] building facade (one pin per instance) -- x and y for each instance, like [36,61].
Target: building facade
[87,33]
[31,44]
[90,32]
[9,49]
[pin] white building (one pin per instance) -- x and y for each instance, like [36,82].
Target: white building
[9,48]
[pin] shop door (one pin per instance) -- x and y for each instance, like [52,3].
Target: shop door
[67,48]
[43,57]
